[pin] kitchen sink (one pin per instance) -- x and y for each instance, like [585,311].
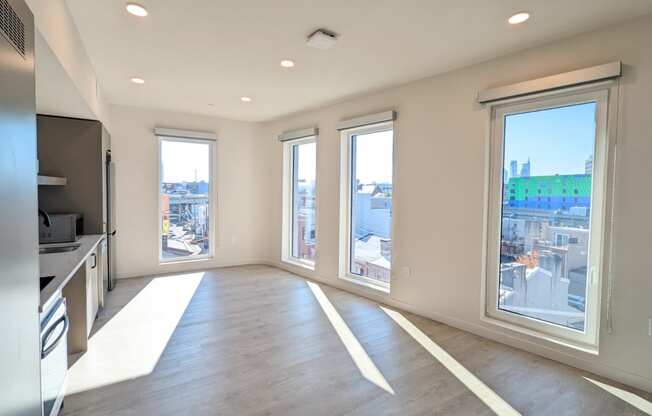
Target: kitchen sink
[58,249]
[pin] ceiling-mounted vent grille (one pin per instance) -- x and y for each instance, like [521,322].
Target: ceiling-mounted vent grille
[12,27]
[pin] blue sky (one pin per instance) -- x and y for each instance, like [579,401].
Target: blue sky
[373,164]
[183,160]
[557,141]
[374,157]
[307,160]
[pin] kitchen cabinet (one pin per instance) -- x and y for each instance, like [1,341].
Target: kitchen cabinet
[92,289]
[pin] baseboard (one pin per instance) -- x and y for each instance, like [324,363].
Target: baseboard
[192,267]
[514,340]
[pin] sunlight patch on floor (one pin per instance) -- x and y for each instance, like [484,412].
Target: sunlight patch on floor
[481,390]
[636,401]
[360,357]
[130,344]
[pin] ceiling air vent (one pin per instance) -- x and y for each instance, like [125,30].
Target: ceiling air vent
[12,27]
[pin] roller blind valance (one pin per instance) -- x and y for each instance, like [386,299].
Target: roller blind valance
[185,134]
[367,120]
[553,82]
[298,134]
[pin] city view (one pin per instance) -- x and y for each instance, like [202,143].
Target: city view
[545,223]
[185,199]
[371,205]
[304,201]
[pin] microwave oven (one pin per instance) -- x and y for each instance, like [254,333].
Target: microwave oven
[64,228]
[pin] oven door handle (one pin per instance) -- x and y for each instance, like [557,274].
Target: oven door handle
[46,351]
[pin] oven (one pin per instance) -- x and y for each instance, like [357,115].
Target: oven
[54,356]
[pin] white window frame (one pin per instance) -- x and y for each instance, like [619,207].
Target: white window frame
[346,225]
[599,93]
[288,206]
[212,197]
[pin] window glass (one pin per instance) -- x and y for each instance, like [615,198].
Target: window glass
[371,205]
[544,251]
[304,202]
[185,199]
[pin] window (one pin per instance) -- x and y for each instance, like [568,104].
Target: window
[185,202]
[536,278]
[561,240]
[299,218]
[367,189]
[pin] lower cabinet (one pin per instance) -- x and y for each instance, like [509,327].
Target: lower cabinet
[92,298]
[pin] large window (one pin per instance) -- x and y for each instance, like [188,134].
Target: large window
[546,213]
[300,234]
[367,189]
[185,199]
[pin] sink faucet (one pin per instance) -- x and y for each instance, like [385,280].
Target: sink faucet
[45,216]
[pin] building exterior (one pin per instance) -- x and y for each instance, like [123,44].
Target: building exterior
[544,247]
[373,209]
[558,192]
[588,165]
[304,233]
[185,221]
[372,228]
[513,169]
[525,169]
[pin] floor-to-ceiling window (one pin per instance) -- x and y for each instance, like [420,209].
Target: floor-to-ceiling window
[300,205]
[367,183]
[547,195]
[185,199]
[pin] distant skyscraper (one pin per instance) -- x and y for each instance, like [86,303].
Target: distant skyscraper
[588,165]
[513,169]
[525,169]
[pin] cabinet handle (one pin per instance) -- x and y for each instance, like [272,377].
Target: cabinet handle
[94,260]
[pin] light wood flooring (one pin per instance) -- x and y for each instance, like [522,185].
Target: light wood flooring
[255,340]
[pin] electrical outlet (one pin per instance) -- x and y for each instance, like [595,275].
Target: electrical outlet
[649,327]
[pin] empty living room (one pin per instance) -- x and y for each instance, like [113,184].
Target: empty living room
[299,207]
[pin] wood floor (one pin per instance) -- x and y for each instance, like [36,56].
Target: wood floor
[256,340]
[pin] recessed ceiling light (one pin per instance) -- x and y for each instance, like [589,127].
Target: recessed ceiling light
[287,63]
[245,99]
[137,9]
[137,80]
[517,18]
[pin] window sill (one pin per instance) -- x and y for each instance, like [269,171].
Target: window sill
[306,265]
[366,283]
[190,260]
[589,349]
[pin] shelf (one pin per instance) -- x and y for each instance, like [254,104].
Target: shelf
[51,181]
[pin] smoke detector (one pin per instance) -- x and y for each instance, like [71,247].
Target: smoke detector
[322,39]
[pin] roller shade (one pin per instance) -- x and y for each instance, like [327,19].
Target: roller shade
[184,134]
[298,134]
[566,79]
[366,120]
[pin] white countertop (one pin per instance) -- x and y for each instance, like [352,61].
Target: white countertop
[64,265]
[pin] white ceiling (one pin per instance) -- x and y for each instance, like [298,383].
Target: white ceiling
[200,52]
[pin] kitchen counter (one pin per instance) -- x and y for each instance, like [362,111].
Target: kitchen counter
[64,265]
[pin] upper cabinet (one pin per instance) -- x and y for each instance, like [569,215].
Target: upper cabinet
[74,150]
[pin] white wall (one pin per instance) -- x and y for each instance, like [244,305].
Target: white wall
[56,26]
[438,201]
[240,213]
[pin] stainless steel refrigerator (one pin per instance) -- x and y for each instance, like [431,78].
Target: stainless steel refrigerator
[111,229]
[20,381]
